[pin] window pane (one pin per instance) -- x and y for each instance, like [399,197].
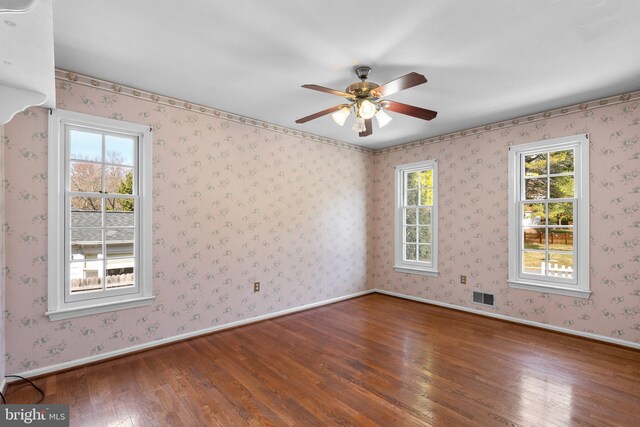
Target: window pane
[561,265]
[86,243]
[535,164]
[410,234]
[412,197]
[118,180]
[533,214]
[410,252]
[426,196]
[561,239]
[424,216]
[85,276]
[536,188]
[119,212]
[561,162]
[120,273]
[424,234]
[424,253]
[85,145]
[119,150]
[412,180]
[86,177]
[561,187]
[561,213]
[534,238]
[426,178]
[533,263]
[120,242]
[86,212]
[410,216]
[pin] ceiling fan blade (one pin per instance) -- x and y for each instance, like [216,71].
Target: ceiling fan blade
[319,114]
[326,90]
[401,83]
[369,130]
[410,110]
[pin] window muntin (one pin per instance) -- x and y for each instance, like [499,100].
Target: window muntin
[101,194]
[416,213]
[99,215]
[548,216]
[416,217]
[547,206]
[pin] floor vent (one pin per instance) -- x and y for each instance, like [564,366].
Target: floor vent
[484,298]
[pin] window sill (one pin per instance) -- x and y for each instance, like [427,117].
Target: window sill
[430,273]
[69,313]
[549,289]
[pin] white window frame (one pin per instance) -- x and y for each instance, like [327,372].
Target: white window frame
[578,286]
[415,267]
[60,305]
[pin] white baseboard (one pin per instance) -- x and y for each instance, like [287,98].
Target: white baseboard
[110,354]
[121,352]
[515,320]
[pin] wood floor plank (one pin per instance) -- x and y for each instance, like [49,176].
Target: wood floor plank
[372,360]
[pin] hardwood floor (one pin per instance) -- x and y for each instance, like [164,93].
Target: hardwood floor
[373,360]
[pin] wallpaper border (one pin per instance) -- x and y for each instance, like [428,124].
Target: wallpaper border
[77,78]
[530,118]
[120,89]
[546,326]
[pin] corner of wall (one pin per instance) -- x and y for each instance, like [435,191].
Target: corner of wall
[371,221]
[2,329]
[243,168]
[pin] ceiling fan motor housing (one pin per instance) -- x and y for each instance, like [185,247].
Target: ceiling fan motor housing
[361,89]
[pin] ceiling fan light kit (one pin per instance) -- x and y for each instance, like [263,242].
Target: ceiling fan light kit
[365,99]
[367,109]
[341,115]
[382,118]
[359,125]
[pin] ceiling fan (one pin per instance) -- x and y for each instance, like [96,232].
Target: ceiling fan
[365,100]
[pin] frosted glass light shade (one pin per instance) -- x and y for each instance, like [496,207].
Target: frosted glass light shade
[367,109]
[382,118]
[340,116]
[359,125]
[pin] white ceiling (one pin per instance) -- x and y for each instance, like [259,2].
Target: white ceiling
[485,61]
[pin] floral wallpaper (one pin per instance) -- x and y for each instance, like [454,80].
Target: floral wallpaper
[232,204]
[473,221]
[2,255]
[238,201]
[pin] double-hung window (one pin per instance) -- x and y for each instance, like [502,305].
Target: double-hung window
[549,216]
[99,215]
[416,218]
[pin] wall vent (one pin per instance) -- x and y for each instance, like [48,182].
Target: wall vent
[484,298]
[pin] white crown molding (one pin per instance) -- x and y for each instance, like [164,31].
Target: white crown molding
[149,345]
[568,331]
[83,80]
[544,115]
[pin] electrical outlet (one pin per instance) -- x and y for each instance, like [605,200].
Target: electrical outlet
[463,280]
[256,286]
